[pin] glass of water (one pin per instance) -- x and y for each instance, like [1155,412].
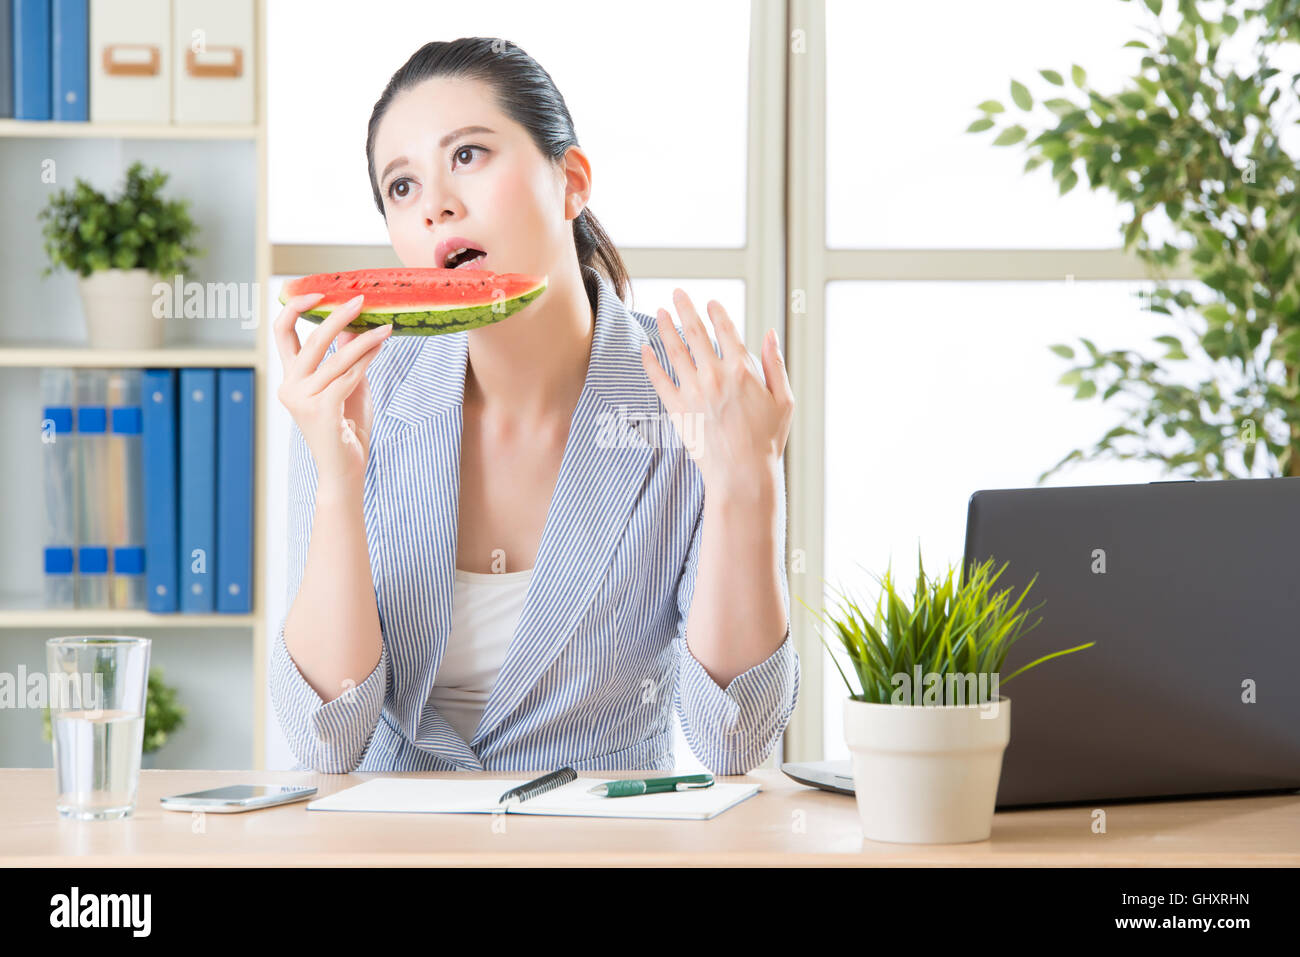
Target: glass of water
[97,690]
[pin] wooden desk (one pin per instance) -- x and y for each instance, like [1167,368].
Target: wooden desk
[785,824]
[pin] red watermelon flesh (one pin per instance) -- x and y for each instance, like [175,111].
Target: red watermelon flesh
[419,302]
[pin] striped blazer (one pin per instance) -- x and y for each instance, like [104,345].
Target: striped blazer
[598,662]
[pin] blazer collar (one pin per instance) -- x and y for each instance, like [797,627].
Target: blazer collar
[602,472]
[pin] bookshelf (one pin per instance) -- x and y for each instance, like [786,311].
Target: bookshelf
[217,661]
[37,356]
[40,129]
[83,618]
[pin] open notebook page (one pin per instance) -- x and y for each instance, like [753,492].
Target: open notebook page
[443,796]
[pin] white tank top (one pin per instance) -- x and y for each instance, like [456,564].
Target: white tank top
[485,612]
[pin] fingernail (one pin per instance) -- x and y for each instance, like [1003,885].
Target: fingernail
[314,296]
[356,299]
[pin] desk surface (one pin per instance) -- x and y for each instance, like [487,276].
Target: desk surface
[785,824]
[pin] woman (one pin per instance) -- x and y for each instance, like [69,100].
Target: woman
[497,544]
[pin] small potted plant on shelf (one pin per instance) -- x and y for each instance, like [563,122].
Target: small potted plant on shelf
[162,715]
[119,248]
[927,728]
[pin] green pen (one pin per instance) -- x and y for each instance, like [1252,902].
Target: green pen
[631,788]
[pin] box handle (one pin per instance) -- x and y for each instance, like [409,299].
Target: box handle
[132,59]
[233,64]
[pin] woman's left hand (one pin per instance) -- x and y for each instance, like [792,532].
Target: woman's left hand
[733,424]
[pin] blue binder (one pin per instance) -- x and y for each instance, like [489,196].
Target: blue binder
[70,48]
[158,402]
[127,531]
[31,39]
[6,59]
[92,491]
[235,490]
[198,493]
[60,479]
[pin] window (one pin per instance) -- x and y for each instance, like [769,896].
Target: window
[667,145]
[941,383]
[902,83]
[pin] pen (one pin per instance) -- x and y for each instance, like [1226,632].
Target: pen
[631,788]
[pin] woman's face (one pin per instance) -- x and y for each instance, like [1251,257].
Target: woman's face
[450,164]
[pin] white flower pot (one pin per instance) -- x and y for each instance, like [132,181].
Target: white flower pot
[118,306]
[926,774]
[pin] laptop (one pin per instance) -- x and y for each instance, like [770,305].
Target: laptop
[1191,591]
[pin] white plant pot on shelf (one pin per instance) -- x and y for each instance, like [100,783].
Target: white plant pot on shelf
[926,774]
[118,306]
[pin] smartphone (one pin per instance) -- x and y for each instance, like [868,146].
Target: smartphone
[238,797]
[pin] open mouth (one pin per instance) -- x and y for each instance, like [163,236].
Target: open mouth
[466,257]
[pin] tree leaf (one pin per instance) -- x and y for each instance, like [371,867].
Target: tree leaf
[1065,352]
[990,106]
[1078,74]
[1012,134]
[1052,77]
[1086,390]
[1216,313]
[1020,95]
[980,125]
[1069,181]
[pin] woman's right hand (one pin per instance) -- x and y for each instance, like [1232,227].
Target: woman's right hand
[330,400]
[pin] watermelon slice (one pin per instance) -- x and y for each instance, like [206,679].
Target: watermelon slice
[419,302]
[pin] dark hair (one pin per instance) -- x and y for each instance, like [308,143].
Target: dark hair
[526,93]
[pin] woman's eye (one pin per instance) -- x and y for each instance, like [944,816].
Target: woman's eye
[468,149]
[400,181]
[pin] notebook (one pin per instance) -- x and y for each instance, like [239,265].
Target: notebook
[431,796]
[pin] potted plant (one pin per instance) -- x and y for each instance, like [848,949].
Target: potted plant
[926,727]
[162,715]
[119,249]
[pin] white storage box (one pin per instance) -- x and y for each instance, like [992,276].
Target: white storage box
[214,61]
[130,61]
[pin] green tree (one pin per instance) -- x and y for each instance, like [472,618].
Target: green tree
[1199,140]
